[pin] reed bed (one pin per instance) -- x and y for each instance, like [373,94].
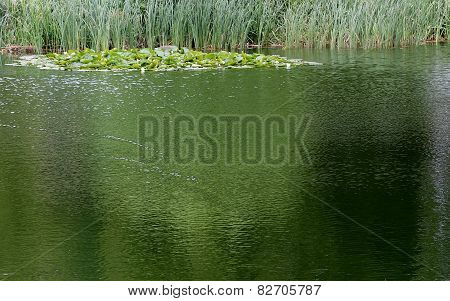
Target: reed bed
[370,23]
[221,24]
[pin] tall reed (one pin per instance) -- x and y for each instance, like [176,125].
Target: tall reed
[374,23]
[221,24]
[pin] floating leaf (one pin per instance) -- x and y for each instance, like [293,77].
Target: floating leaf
[163,58]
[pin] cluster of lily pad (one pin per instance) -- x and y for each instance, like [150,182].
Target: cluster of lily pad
[167,58]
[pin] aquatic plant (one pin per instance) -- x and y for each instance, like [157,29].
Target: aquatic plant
[359,23]
[221,24]
[168,58]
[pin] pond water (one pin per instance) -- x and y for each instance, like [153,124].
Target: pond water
[75,204]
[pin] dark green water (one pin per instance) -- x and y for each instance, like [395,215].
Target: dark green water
[373,204]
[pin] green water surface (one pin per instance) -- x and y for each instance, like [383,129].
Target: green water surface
[372,205]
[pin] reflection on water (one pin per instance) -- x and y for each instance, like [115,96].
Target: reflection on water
[76,204]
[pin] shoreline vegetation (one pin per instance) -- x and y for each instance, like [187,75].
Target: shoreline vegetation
[166,58]
[60,25]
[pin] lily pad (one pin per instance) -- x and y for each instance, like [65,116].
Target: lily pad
[163,58]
